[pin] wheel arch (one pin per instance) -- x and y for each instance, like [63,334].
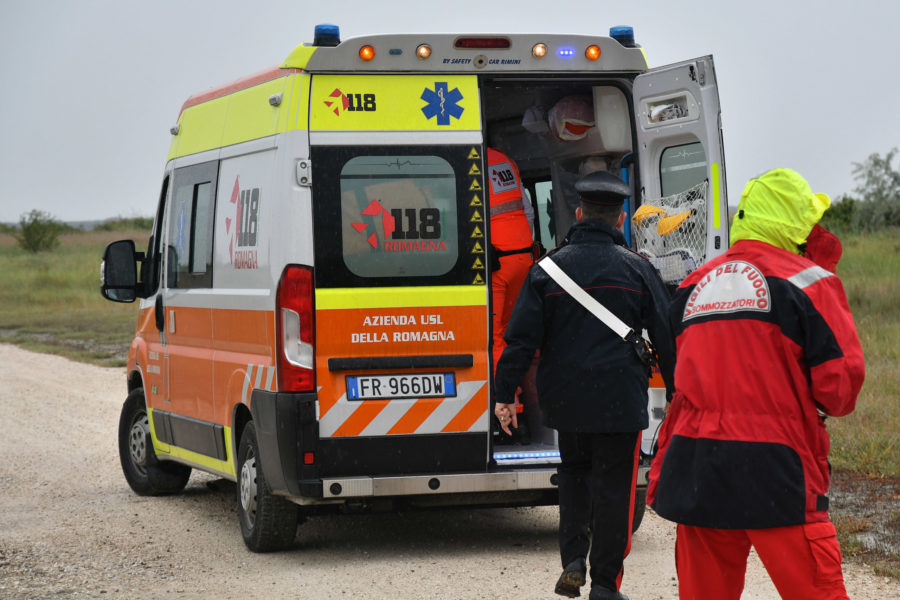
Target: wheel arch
[240,416]
[135,380]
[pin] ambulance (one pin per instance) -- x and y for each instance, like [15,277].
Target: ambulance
[315,307]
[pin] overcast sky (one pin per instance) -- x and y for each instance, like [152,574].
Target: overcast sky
[90,88]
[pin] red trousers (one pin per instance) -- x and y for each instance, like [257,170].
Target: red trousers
[804,561]
[505,286]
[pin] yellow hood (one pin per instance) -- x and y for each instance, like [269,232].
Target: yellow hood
[779,208]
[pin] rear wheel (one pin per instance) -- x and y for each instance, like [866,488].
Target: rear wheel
[145,473]
[268,522]
[640,506]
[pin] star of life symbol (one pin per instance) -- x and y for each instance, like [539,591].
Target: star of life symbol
[387,221]
[340,101]
[442,103]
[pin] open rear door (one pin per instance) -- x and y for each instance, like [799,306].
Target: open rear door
[682,220]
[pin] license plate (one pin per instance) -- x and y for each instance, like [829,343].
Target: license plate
[414,385]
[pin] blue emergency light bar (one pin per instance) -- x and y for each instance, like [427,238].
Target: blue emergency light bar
[327,35]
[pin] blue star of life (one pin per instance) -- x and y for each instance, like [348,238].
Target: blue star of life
[442,103]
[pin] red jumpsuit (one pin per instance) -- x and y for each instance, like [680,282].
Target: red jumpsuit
[766,346]
[511,241]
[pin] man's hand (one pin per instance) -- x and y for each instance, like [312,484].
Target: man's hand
[506,414]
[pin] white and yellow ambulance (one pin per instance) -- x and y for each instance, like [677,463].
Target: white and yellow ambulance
[315,296]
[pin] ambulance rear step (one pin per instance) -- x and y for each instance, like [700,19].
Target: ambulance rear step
[523,480]
[409,485]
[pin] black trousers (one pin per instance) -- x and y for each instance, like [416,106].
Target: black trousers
[597,478]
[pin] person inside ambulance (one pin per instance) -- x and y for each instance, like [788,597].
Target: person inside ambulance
[766,349]
[511,242]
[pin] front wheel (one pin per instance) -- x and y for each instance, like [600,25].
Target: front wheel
[268,522]
[145,473]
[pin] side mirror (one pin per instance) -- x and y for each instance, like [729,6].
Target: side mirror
[118,272]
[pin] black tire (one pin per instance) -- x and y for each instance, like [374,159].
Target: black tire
[268,522]
[640,506]
[145,473]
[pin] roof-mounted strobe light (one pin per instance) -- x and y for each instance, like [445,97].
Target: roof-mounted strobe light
[539,50]
[327,35]
[367,53]
[592,52]
[423,51]
[565,52]
[623,34]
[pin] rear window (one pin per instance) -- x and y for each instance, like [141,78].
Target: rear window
[399,215]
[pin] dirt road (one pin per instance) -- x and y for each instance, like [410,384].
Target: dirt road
[71,528]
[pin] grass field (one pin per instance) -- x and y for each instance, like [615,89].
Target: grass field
[51,301]
[868,440]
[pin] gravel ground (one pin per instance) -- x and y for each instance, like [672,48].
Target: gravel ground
[71,528]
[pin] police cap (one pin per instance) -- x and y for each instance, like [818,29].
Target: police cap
[602,188]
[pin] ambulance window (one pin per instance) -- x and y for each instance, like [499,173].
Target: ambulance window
[150,268]
[398,216]
[682,167]
[201,248]
[543,191]
[190,227]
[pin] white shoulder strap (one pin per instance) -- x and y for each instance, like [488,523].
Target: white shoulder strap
[585,299]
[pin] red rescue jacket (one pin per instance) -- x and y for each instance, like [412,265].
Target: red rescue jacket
[765,346]
[509,225]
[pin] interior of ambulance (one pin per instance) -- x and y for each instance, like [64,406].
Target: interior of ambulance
[558,131]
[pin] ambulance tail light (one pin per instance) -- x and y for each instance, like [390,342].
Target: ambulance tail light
[295,330]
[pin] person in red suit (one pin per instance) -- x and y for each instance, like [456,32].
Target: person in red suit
[511,241]
[766,350]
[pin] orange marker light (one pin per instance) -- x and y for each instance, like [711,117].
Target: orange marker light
[423,51]
[592,52]
[539,50]
[367,53]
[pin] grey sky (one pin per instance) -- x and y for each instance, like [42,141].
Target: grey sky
[90,88]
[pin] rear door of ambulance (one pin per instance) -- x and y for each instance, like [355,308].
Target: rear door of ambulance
[401,297]
[680,151]
[682,220]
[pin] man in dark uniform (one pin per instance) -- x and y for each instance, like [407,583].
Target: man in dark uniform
[592,386]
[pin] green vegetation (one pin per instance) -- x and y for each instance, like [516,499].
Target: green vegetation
[126,224]
[868,440]
[878,185]
[50,301]
[38,231]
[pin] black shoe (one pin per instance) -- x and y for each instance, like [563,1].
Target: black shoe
[599,593]
[572,578]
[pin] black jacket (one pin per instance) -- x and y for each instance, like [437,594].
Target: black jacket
[588,380]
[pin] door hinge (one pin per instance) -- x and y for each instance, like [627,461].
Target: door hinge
[304,172]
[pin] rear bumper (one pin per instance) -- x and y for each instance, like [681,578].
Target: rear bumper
[457,483]
[287,429]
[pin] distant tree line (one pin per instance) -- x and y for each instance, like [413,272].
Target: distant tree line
[876,201]
[39,231]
